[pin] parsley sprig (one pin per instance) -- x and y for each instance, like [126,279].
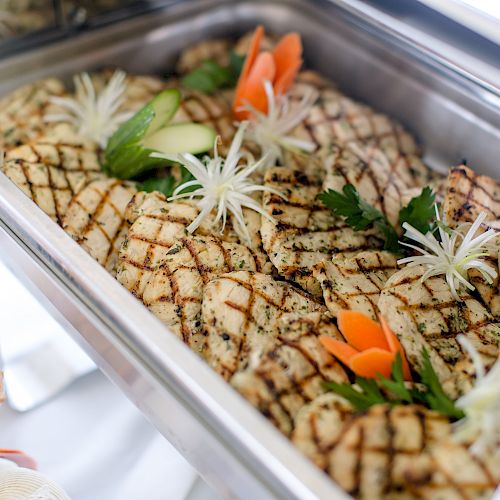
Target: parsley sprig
[168,184]
[368,392]
[360,215]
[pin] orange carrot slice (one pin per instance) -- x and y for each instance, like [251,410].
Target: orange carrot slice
[285,80]
[287,53]
[344,352]
[395,346]
[254,91]
[252,54]
[361,331]
[372,362]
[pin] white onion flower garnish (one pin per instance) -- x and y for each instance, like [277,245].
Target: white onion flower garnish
[94,115]
[481,406]
[224,185]
[450,258]
[269,130]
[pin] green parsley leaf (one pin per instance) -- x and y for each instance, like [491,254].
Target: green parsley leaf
[359,398]
[167,185]
[434,397]
[359,214]
[420,211]
[211,76]
[396,384]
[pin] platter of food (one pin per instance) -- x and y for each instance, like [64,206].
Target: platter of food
[275,226]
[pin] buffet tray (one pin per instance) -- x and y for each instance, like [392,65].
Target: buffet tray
[454,114]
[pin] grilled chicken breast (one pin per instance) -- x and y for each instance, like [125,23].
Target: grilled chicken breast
[175,289]
[367,454]
[157,224]
[467,195]
[355,282]
[336,118]
[241,313]
[381,178]
[425,315]
[290,373]
[448,470]
[22,111]
[95,218]
[304,231]
[51,172]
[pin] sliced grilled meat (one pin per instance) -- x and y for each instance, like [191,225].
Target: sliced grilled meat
[157,227]
[96,219]
[355,282]
[366,454]
[52,172]
[304,231]
[174,291]
[22,111]
[425,315]
[290,373]
[335,118]
[467,195]
[448,470]
[241,313]
[381,178]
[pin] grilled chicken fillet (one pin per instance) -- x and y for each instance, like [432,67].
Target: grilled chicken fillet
[380,177]
[156,226]
[51,172]
[95,218]
[355,282]
[241,312]
[175,289]
[425,315]
[304,232]
[467,195]
[290,373]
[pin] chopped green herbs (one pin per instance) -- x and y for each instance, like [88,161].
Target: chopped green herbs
[394,390]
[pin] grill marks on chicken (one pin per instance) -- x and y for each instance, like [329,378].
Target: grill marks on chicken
[304,232]
[22,111]
[335,118]
[241,313]
[355,282]
[157,224]
[381,177]
[51,173]
[467,195]
[367,454]
[290,373]
[425,315]
[96,219]
[448,470]
[175,290]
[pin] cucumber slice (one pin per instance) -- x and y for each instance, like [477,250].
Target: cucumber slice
[164,105]
[181,138]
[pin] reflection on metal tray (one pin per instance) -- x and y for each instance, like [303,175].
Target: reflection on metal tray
[235,449]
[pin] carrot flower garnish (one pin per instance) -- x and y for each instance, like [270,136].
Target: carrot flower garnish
[280,67]
[371,348]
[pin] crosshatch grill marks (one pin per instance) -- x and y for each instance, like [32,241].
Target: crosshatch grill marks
[289,374]
[175,289]
[467,195]
[425,315]
[381,178]
[241,313]
[355,282]
[96,219]
[156,225]
[367,454]
[304,232]
[335,118]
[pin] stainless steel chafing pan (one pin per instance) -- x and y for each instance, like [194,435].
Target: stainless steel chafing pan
[454,114]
